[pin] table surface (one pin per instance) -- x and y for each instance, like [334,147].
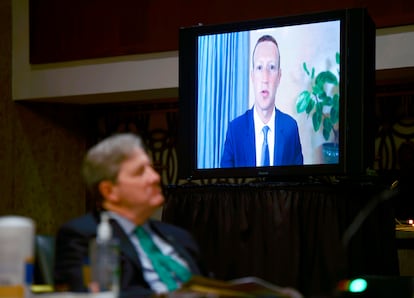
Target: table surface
[404,231]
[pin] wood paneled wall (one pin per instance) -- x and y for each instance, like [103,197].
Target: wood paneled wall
[79,29]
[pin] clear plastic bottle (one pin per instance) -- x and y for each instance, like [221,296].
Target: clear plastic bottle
[104,259]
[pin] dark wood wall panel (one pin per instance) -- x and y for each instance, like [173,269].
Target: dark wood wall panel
[79,29]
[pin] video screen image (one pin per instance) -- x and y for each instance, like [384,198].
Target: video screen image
[306,88]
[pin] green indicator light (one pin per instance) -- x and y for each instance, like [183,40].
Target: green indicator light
[358,285]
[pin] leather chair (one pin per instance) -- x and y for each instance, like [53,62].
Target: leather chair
[44,259]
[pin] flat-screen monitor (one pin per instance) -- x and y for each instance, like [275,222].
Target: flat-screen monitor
[308,78]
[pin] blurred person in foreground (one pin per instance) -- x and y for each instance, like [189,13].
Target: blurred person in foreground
[119,174]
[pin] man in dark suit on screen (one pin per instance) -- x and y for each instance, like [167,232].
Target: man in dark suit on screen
[263,135]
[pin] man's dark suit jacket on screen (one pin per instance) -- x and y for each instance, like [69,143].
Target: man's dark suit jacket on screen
[240,149]
[72,242]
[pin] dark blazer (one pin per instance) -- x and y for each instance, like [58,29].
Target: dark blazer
[240,149]
[72,241]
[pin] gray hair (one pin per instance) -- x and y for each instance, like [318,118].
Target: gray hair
[103,160]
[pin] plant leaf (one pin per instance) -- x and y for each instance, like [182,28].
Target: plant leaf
[318,90]
[303,101]
[326,77]
[317,116]
[327,100]
[327,128]
[316,122]
[319,108]
[310,106]
[324,98]
[306,68]
[335,109]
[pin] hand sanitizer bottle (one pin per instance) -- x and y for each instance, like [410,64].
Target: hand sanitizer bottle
[104,259]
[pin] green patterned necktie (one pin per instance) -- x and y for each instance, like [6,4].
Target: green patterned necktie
[168,269]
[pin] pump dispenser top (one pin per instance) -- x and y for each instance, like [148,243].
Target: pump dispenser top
[104,232]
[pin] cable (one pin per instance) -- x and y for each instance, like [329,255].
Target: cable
[366,211]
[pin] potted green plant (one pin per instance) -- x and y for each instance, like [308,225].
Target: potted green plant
[321,101]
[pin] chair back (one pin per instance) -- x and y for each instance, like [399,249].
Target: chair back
[45,254]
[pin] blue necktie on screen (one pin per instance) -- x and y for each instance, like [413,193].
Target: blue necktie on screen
[168,269]
[265,148]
